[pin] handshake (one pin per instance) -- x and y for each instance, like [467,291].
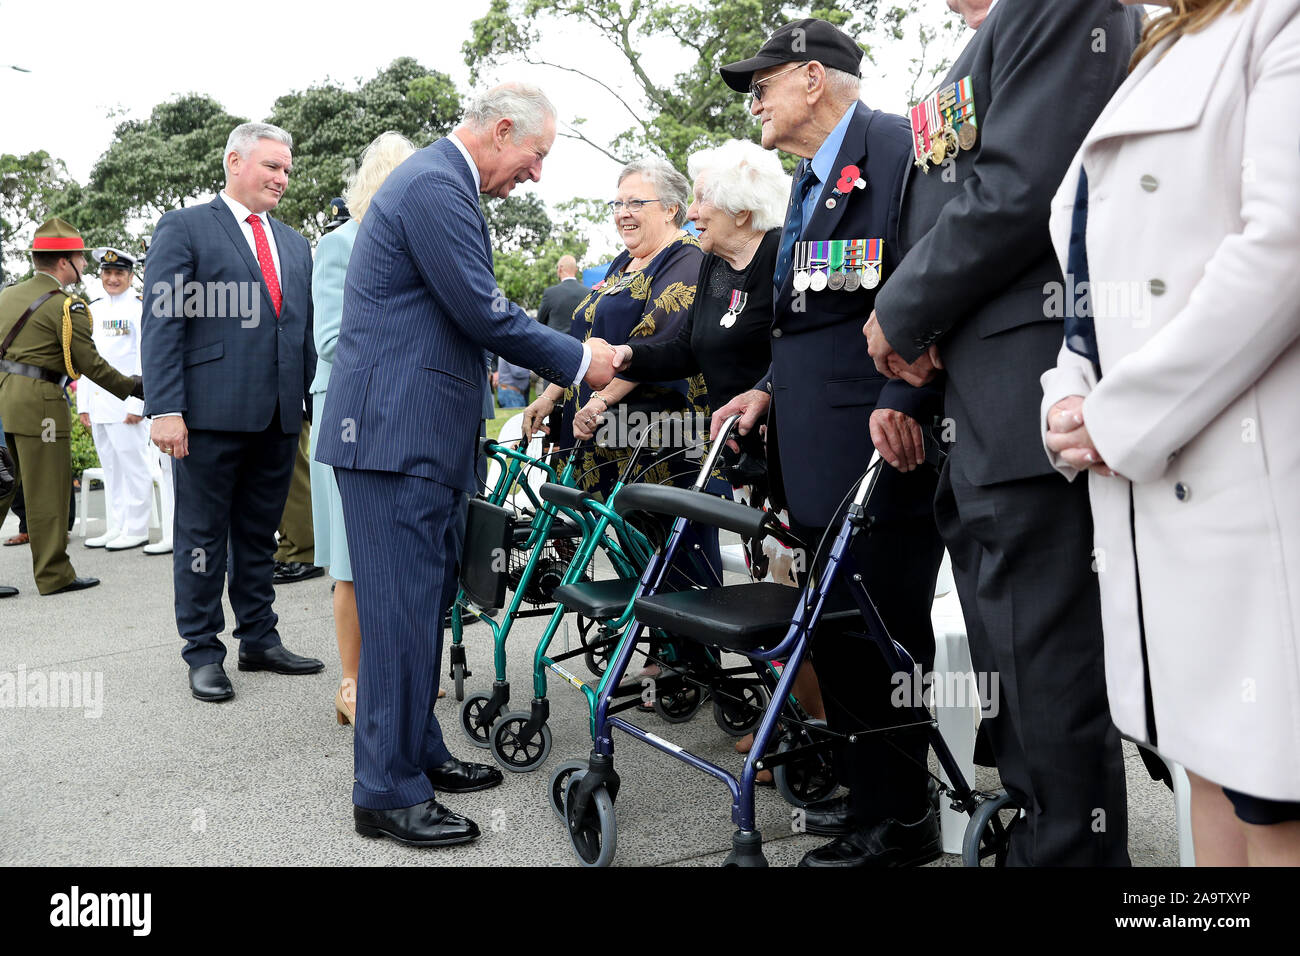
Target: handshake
[606,360]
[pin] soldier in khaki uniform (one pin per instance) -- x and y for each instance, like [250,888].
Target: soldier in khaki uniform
[44,344]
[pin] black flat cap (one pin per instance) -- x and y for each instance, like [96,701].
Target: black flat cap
[798,42]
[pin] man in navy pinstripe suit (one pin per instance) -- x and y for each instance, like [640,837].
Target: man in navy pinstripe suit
[400,427]
[227,352]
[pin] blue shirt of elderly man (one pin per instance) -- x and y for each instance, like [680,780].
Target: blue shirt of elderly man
[401,425]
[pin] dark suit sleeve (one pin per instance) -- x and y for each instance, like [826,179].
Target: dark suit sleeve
[162,328]
[1046,88]
[443,229]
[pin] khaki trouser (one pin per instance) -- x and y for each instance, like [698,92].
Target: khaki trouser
[44,471]
[297,537]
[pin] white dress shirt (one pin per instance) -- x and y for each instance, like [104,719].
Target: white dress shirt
[478,185]
[242,213]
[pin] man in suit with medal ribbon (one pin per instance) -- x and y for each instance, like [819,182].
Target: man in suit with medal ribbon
[826,397]
[991,145]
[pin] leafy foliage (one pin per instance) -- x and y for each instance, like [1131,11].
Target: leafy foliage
[676,116]
[331,125]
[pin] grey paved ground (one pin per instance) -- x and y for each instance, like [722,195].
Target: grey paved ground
[159,778]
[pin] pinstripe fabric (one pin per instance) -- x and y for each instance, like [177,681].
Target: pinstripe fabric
[420,306]
[400,426]
[404,536]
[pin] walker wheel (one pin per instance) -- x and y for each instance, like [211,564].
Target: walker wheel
[806,779]
[474,720]
[559,783]
[513,750]
[594,834]
[740,712]
[988,834]
[680,704]
[599,653]
[458,675]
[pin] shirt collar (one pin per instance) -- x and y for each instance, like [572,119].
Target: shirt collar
[824,159]
[468,159]
[241,211]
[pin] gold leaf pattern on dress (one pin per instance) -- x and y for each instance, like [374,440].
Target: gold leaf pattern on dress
[676,298]
[643,328]
[640,286]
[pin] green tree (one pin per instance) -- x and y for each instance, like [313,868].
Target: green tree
[525,268]
[29,185]
[331,125]
[693,108]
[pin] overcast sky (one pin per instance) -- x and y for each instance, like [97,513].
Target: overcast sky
[95,64]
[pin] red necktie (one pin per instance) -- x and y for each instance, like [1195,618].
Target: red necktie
[266,262]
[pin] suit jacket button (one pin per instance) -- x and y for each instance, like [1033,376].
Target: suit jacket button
[1150,183]
[1182,491]
[776,333]
[1157,286]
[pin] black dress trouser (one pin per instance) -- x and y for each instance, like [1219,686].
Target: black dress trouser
[1022,560]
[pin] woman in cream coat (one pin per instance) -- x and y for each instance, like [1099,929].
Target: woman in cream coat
[1191,431]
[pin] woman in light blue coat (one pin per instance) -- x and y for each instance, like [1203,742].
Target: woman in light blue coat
[329,270]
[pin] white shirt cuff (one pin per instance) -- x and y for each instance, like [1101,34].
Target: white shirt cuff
[586,361]
[167,415]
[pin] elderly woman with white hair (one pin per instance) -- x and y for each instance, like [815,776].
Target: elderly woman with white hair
[329,269]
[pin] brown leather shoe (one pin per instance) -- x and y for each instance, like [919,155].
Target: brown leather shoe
[21,538]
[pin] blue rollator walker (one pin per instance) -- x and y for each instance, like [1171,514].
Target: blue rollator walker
[764,622]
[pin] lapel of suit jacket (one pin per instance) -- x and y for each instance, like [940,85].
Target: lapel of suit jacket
[228,223]
[824,221]
[452,156]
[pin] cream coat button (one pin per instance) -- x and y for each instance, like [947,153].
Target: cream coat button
[1156,286]
[1150,183]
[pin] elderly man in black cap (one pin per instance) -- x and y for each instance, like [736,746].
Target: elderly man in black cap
[821,399]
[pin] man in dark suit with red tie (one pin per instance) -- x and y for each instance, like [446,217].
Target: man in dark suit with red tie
[228,356]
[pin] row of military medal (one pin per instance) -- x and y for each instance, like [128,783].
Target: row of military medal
[837,264]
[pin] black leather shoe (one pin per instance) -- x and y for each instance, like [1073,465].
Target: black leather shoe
[830,817]
[457,776]
[279,660]
[427,824]
[887,844]
[295,571]
[7,591]
[209,682]
[78,584]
